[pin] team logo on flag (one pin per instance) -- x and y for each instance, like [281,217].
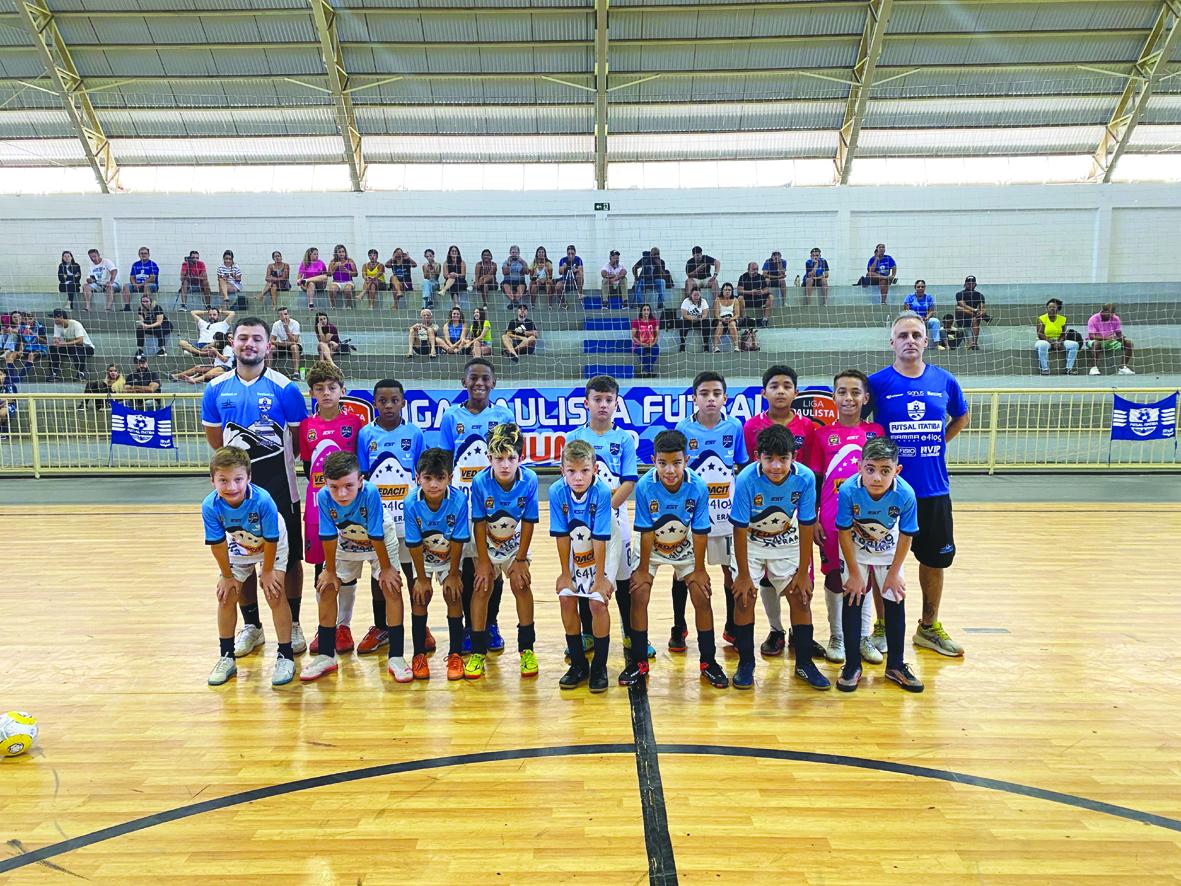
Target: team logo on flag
[146,429]
[1144,421]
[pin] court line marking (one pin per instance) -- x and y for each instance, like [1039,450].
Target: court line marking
[662,865]
[181,812]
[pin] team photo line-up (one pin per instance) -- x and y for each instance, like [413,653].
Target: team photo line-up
[752,498]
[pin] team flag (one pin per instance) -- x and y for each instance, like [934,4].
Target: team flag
[1144,421]
[147,429]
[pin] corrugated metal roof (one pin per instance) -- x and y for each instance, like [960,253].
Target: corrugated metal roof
[1146,137]
[978,142]
[722,146]
[45,152]
[475,119]
[931,50]
[725,116]
[1162,109]
[978,112]
[477,149]
[42,124]
[227,150]
[977,17]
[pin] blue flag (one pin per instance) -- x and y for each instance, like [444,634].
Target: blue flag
[1144,421]
[147,429]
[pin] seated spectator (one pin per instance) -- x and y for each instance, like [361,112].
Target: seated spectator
[69,278]
[285,334]
[521,335]
[214,359]
[1106,333]
[33,339]
[112,382]
[727,316]
[485,276]
[277,279]
[923,303]
[515,274]
[694,318]
[102,277]
[372,279]
[479,335]
[328,341]
[209,322]
[701,272]
[454,274]
[194,280]
[645,335]
[1052,336]
[452,338]
[423,335]
[7,411]
[881,269]
[775,270]
[342,270]
[150,321]
[402,279]
[142,380]
[970,311]
[816,276]
[541,276]
[145,275]
[614,277]
[757,300]
[570,274]
[70,341]
[649,274]
[229,279]
[953,336]
[312,276]
[12,348]
[431,271]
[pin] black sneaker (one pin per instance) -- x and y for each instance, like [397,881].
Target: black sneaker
[712,672]
[848,680]
[904,677]
[598,680]
[676,640]
[774,644]
[818,650]
[633,673]
[573,678]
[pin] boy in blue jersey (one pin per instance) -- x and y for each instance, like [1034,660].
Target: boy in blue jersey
[580,520]
[672,517]
[877,515]
[773,515]
[388,450]
[436,531]
[717,451]
[243,528]
[353,531]
[504,513]
[463,431]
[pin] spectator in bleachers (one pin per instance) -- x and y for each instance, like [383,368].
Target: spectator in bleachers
[775,270]
[229,279]
[701,272]
[111,382]
[102,277]
[645,335]
[515,274]
[194,280]
[151,321]
[71,342]
[881,269]
[214,359]
[422,339]
[541,276]
[33,339]
[614,277]
[12,348]
[145,275]
[694,318]
[452,338]
[1106,333]
[69,278]
[285,333]
[1052,336]
[342,270]
[142,380]
[970,311]
[485,276]
[328,343]
[276,280]
[923,303]
[479,334]
[570,274]
[816,276]
[372,279]
[727,315]
[401,278]
[521,335]
[312,276]
[756,296]
[454,274]
[209,323]
[431,271]
[649,273]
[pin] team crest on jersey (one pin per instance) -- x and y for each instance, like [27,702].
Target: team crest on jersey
[690,505]
[373,445]
[418,520]
[727,440]
[346,431]
[311,435]
[795,498]
[856,510]
[459,428]
[692,445]
[833,440]
[450,521]
[894,511]
[565,510]
[364,512]
[593,509]
[252,517]
[615,448]
[332,513]
[265,404]
[799,440]
[488,503]
[520,502]
[869,435]
[405,445]
[653,507]
[916,409]
[758,500]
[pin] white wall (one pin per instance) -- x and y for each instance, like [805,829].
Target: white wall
[1034,233]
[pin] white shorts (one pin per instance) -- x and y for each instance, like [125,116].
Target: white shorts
[719,551]
[403,550]
[778,569]
[875,575]
[348,570]
[680,570]
[243,570]
[500,567]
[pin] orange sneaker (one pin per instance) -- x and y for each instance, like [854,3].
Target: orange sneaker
[454,666]
[344,639]
[373,640]
[430,641]
[420,668]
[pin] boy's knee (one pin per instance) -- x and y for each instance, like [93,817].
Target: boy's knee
[598,608]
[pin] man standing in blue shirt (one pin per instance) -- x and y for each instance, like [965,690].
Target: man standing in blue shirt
[922,408]
[881,269]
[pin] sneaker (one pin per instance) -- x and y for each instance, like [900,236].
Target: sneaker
[1094,370]
[904,677]
[633,673]
[811,675]
[467,642]
[299,645]
[728,638]
[473,670]
[314,646]
[1045,372]
[598,680]
[869,652]
[373,640]
[284,671]
[651,652]
[744,677]
[588,643]
[399,670]
[317,667]
[836,650]
[1125,370]
[528,663]
[429,643]
[878,638]
[713,674]
[249,639]
[773,645]
[676,640]
[344,639]
[818,651]
[934,637]
[573,678]
[223,670]
[847,682]
[495,641]
[419,667]
[454,666]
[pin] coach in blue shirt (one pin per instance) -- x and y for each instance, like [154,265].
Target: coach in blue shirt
[881,269]
[145,274]
[922,408]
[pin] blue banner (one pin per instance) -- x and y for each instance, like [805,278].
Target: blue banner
[147,429]
[1144,421]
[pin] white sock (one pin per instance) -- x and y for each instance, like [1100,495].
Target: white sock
[868,614]
[834,600]
[772,605]
[344,604]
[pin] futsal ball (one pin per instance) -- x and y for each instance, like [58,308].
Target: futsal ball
[18,731]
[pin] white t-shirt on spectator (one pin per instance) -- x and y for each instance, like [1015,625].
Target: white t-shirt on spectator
[226,359]
[278,333]
[103,272]
[614,272]
[206,330]
[230,273]
[696,311]
[72,330]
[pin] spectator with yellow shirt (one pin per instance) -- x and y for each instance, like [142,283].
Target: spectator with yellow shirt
[1052,336]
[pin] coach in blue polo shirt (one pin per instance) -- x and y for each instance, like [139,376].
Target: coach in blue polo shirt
[922,408]
[145,274]
[881,269]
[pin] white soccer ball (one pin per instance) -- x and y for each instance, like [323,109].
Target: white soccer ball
[18,731]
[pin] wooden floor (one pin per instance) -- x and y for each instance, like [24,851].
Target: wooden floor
[1071,685]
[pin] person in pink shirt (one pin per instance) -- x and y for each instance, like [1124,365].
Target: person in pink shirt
[835,457]
[1105,333]
[313,276]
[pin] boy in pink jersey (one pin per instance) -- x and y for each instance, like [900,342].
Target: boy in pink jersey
[326,431]
[834,458]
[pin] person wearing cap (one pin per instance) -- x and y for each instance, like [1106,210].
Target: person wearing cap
[970,310]
[881,269]
[142,380]
[614,276]
[701,272]
[1106,333]
[70,340]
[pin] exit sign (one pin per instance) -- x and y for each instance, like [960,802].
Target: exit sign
[602,207]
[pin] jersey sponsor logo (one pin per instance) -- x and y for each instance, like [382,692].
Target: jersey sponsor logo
[466,475]
[317,479]
[916,409]
[718,491]
[907,452]
[373,445]
[459,427]
[758,500]
[774,528]
[653,507]
[930,451]
[489,502]
[671,537]
[692,445]
[393,491]
[912,428]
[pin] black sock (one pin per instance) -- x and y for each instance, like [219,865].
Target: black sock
[294,603]
[250,614]
[418,633]
[285,651]
[480,642]
[584,615]
[455,634]
[680,598]
[895,632]
[602,648]
[574,650]
[802,644]
[327,640]
[467,577]
[745,637]
[729,589]
[623,599]
[378,604]
[526,637]
[227,646]
[706,645]
[397,635]
[494,602]
[639,651]
[851,627]
[317,568]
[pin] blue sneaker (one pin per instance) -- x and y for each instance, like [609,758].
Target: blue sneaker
[811,675]
[744,677]
[467,641]
[651,651]
[495,641]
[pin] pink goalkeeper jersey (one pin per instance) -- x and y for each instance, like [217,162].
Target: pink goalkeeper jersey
[835,457]
[801,427]
[318,439]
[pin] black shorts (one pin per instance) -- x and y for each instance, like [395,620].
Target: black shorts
[293,519]
[934,545]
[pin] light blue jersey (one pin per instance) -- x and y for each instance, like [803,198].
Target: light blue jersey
[244,528]
[713,455]
[502,511]
[465,434]
[584,520]
[615,464]
[389,458]
[877,523]
[434,531]
[772,513]
[672,517]
[355,527]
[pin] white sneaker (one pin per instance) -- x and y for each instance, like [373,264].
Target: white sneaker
[298,644]
[1093,371]
[835,651]
[1125,370]
[248,639]
[284,671]
[869,652]
[318,667]
[400,670]
[222,671]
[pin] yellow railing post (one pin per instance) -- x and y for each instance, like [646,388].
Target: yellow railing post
[34,439]
[993,423]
